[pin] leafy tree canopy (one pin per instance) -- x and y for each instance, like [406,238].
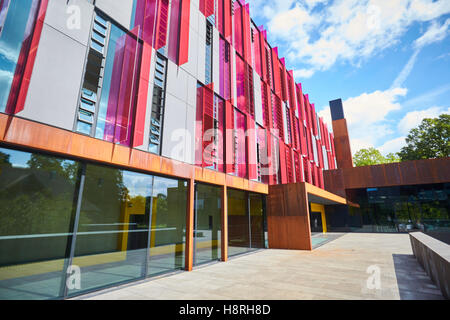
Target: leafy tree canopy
[431,139]
[372,156]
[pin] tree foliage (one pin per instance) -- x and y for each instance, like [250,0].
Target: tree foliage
[372,156]
[431,139]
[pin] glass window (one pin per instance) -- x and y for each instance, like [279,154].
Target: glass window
[168,225]
[17,20]
[208,223]
[112,236]
[38,196]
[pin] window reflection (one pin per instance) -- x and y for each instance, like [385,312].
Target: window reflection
[37,205]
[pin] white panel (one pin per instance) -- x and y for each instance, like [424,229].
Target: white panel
[192,91]
[56,80]
[177,81]
[193,16]
[285,123]
[173,144]
[201,54]
[191,66]
[120,11]
[258,98]
[216,61]
[190,135]
[63,15]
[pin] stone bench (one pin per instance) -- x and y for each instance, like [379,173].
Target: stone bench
[434,256]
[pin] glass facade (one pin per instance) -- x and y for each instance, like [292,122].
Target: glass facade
[17,20]
[246,222]
[37,206]
[128,225]
[208,223]
[406,208]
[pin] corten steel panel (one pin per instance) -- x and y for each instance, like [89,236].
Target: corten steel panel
[189,254]
[424,171]
[277,233]
[393,175]
[441,169]
[409,172]
[378,174]
[358,177]
[20,132]
[342,144]
[288,217]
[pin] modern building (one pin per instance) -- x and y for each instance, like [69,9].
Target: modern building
[141,137]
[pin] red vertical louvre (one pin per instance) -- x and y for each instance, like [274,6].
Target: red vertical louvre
[277,115]
[250,103]
[303,142]
[183,53]
[162,24]
[251,149]
[300,102]
[310,146]
[227,9]
[272,161]
[229,137]
[314,120]
[201,6]
[209,8]
[141,106]
[199,127]
[262,49]
[276,72]
[257,52]
[283,79]
[266,105]
[247,31]
[320,153]
[289,165]
[295,131]
[291,91]
[21,81]
[307,170]
[308,112]
[208,124]
[283,167]
[262,155]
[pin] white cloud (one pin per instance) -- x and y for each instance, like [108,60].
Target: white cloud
[414,118]
[348,30]
[392,146]
[435,33]
[367,116]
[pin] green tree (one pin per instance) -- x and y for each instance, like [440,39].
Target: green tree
[368,157]
[431,139]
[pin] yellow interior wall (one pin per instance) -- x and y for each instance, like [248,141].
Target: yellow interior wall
[315,207]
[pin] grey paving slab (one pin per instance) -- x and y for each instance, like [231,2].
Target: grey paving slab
[352,266]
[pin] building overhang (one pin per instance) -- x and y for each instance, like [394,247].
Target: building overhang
[320,196]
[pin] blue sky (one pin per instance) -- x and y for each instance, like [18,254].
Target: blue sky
[389,60]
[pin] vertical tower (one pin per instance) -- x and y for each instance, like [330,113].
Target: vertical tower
[341,140]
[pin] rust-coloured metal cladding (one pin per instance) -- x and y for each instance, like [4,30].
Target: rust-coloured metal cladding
[388,175]
[28,134]
[344,157]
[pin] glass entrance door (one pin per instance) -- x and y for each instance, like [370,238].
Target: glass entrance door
[207,224]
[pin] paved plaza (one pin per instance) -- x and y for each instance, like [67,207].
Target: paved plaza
[352,266]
